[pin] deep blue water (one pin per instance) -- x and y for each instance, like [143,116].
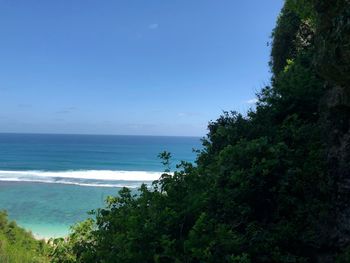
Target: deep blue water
[49,182]
[91,152]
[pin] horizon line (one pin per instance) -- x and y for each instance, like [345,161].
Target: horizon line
[92,134]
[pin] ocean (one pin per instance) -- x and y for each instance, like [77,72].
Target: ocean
[48,182]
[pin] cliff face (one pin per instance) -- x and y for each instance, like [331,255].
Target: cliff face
[338,156]
[332,41]
[332,61]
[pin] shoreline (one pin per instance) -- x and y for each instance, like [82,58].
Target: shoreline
[49,210]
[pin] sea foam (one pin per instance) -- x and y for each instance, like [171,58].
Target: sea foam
[101,178]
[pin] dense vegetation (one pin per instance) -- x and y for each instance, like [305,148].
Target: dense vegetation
[263,188]
[19,246]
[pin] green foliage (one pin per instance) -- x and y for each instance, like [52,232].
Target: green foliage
[284,37]
[293,34]
[304,8]
[19,246]
[61,251]
[165,157]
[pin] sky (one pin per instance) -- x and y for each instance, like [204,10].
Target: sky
[131,67]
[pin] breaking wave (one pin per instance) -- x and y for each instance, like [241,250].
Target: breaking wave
[101,178]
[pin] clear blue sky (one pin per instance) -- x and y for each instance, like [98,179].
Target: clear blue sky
[150,67]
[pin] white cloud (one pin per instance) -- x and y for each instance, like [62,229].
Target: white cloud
[251,101]
[153,26]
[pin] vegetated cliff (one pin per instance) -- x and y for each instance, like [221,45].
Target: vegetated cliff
[332,62]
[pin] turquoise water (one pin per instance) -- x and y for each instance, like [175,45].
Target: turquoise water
[49,182]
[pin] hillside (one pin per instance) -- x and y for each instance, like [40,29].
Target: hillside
[18,245]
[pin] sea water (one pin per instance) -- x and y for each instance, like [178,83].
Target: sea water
[49,182]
